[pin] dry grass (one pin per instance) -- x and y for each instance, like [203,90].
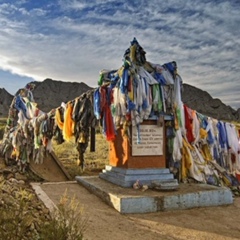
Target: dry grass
[3,122]
[94,161]
[68,221]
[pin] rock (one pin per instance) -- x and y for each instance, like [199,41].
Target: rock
[29,220]
[5,101]
[6,171]
[45,211]
[22,182]
[13,180]
[9,176]
[32,227]
[22,207]
[20,176]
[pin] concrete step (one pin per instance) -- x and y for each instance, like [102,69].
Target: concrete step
[134,177]
[127,177]
[131,171]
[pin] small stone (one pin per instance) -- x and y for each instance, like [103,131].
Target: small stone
[22,182]
[9,176]
[32,227]
[19,176]
[45,211]
[13,180]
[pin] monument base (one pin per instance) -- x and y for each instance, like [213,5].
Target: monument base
[129,200]
[160,177]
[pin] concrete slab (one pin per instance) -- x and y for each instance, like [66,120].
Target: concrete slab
[129,200]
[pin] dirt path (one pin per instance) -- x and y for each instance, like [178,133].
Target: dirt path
[106,223]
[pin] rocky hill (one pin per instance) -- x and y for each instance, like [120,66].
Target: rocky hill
[203,102]
[51,93]
[5,102]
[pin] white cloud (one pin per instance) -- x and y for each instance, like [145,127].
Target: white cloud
[79,38]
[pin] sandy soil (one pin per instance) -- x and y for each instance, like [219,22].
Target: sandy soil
[106,223]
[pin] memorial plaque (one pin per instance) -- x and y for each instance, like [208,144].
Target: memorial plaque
[149,142]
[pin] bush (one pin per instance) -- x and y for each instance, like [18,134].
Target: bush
[67,223]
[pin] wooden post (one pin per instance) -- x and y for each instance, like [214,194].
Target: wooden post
[92,139]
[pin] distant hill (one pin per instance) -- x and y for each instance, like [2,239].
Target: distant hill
[5,102]
[50,94]
[203,102]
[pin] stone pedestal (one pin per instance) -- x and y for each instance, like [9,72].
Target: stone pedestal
[126,152]
[140,156]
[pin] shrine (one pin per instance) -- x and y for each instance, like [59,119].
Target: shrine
[130,161]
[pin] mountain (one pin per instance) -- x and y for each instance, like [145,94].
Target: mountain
[5,102]
[203,102]
[50,94]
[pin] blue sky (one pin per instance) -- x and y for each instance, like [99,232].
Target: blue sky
[72,40]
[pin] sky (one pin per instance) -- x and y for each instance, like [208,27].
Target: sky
[71,40]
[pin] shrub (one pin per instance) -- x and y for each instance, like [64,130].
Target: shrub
[67,223]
